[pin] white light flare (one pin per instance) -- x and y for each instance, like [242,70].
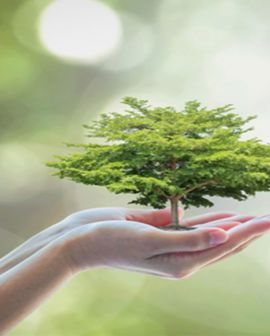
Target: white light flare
[80,31]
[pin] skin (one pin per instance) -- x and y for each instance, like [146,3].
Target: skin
[116,238]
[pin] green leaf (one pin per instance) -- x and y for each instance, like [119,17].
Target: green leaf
[161,152]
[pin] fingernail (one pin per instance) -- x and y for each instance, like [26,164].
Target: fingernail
[217,237]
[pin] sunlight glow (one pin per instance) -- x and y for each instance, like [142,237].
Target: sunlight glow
[82,31]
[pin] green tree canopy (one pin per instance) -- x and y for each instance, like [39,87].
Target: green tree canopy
[162,154]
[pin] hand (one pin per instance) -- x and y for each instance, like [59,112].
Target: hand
[132,245]
[119,238]
[79,219]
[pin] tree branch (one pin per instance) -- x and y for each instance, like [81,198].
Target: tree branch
[199,186]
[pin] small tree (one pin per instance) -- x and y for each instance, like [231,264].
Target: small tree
[164,155]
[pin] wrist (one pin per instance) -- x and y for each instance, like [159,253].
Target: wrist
[78,249]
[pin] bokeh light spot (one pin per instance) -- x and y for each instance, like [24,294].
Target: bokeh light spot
[82,31]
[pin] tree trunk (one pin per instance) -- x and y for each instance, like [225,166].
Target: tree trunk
[174,212]
[175,225]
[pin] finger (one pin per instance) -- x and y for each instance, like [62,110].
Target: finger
[237,236]
[170,273]
[256,226]
[226,223]
[154,217]
[168,242]
[206,218]
[235,251]
[238,218]
[225,226]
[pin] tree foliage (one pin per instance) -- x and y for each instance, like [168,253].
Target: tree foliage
[160,154]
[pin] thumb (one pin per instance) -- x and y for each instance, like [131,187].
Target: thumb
[154,217]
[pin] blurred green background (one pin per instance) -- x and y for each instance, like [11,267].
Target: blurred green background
[61,64]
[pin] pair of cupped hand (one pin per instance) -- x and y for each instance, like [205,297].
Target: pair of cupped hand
[134,240]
